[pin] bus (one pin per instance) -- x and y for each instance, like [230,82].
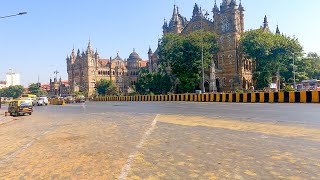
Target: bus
[32,96]
[309,85]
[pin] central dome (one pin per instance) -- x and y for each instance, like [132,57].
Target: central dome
[134,56]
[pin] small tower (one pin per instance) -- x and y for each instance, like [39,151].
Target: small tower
[277,30]
[89,49]
[196,10]
[150,53]
[265,24]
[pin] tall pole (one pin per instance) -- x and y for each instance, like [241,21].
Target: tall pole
[202,63]
[202,68]
[294,72]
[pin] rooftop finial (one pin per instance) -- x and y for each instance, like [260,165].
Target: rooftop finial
[278,30]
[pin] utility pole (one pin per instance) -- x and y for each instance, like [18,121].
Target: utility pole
[294,72]
[202,49]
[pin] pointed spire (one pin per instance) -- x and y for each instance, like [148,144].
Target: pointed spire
[174,10]
[216,8]
[78,53]
[196,10]
[278,31]
[233,3]
[89,43]
[241,8]
[265,23]
[149,51]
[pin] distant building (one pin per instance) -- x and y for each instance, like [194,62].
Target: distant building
[58,87]
[13,78]
[45,87]
[3,84]
[87,68]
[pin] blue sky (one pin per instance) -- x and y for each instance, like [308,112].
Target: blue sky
[38,43]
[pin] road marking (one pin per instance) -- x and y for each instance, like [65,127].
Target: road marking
[126,168]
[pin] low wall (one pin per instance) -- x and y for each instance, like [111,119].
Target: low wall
[56,102]
[261,97]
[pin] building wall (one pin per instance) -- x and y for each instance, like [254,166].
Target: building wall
[232,71]
[12,79]
[87,68]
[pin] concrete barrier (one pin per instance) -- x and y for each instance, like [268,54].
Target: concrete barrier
[57,102]
[255,97]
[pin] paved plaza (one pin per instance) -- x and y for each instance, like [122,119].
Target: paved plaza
[163,140]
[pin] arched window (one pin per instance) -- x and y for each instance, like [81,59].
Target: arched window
[113,73]
[222,59]
[230,59]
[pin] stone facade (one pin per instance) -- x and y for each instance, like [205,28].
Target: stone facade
[87,68]
[231,70]
[57,87]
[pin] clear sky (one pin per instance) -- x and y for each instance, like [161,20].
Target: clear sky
[38,43]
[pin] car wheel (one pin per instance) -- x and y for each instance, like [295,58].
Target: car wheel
[30,114]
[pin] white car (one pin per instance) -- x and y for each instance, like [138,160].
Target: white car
[42,101]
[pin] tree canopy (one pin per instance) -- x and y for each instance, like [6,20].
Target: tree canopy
[105,87]
[182,53]
[12,91]
[155,83]
[271,53]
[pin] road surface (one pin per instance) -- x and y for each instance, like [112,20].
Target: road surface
[163,140]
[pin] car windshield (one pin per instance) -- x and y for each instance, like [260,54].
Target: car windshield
[24,104]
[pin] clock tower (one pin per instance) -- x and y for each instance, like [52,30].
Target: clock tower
[229,25]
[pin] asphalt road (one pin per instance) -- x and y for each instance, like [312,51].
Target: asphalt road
[163,140]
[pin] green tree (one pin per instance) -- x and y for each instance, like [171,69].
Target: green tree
[34,89]
[183,55]
[271,53]
[105,87]
[12,91]
[308,67]
[153,83]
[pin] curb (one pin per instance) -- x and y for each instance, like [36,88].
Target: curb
[258,97]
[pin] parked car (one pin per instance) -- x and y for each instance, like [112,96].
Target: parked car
[80,99]
[69,100]
[20,107]
[45,100]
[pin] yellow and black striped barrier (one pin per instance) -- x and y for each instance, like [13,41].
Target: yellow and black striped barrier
[56,102]
[259,97]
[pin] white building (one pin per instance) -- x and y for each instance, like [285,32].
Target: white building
[13,78]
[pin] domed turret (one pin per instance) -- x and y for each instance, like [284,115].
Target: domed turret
[134,56]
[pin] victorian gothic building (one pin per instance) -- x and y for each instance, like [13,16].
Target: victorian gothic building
[229,70]
[86,68]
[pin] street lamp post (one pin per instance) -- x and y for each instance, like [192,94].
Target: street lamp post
[202,49]
[294,72]
[19,14]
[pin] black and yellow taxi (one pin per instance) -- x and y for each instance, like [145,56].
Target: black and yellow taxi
[20,107]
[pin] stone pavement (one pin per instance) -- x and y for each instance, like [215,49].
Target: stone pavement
[3,118]
[81,142]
